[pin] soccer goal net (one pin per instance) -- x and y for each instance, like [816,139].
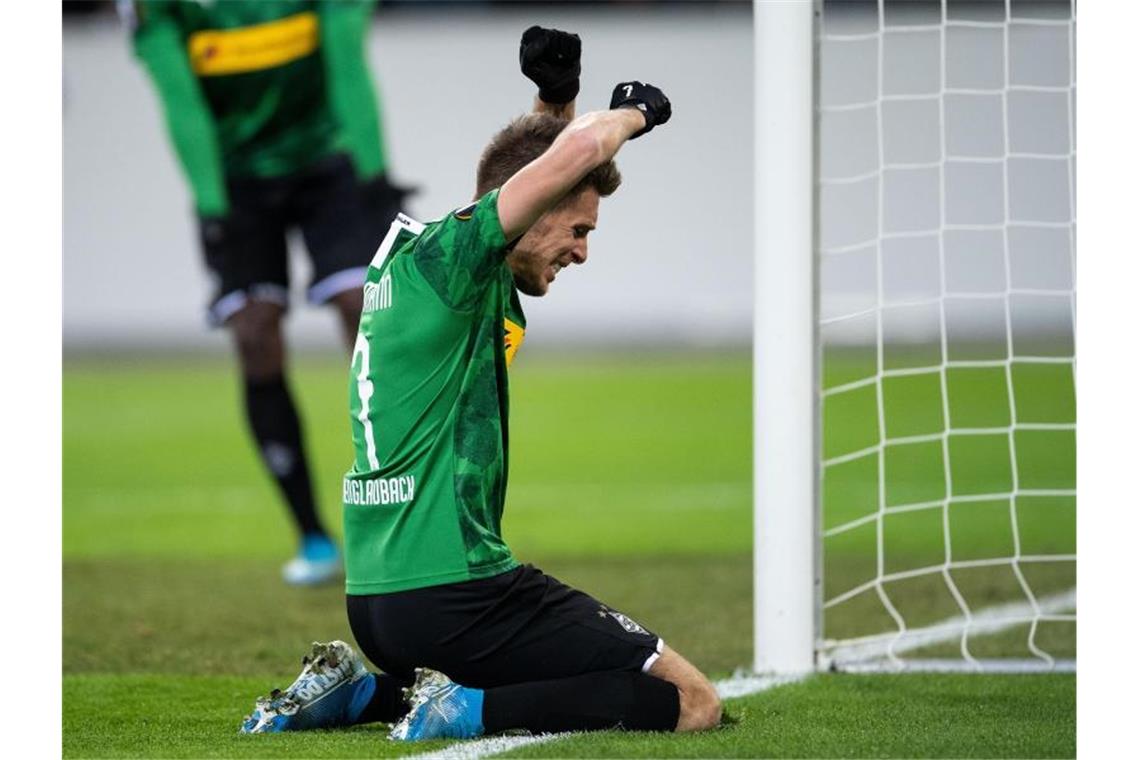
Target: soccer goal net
[944,461]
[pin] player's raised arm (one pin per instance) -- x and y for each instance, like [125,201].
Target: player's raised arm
[587,142]
[552,59]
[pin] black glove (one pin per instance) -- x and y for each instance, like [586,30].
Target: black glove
[219,235]
[552,60]
[645,98]
[382,199]
[213,230]
[226,240]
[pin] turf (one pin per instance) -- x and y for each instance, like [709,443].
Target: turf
[233,617]
[158,452]
[631,477]
[827,716]
[192,716]
[870,716]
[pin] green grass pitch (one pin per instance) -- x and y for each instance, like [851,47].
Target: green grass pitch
[631,477]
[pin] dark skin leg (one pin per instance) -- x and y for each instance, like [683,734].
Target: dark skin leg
[270,411]
[348,305]
[258,339]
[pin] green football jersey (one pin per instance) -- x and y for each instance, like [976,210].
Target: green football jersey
[259,88]
[423,502]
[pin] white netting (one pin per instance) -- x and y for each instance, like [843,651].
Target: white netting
[947,311]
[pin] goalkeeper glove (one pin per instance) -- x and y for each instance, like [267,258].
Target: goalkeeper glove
[552,59]
[645,98]
[383,199]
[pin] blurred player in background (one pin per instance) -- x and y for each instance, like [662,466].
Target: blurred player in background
[432,587]
[272,113]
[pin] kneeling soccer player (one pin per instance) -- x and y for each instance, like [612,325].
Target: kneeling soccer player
[432,587]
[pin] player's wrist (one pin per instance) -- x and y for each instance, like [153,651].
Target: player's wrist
[646,99]
[213,216]
[560,94]
[636,119]
[212,208]
[552,59]
[564,111]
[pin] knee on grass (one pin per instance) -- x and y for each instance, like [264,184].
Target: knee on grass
[699,704]
[700,707]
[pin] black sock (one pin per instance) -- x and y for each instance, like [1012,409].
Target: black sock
[277,429]
[387,703]
[634,701]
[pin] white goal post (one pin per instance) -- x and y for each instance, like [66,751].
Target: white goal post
[913,348]
[784,450]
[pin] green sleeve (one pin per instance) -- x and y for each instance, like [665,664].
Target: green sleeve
[460,254]
[159,44]
[344,29]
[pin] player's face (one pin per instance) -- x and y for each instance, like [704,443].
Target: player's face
[554,242]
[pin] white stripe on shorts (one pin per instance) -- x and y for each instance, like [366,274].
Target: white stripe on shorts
[655,656]
[234,301]
[337,282]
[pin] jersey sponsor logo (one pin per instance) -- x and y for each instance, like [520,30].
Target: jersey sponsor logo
[217,52]
[380,491]
[465,213]
[378,295]
[513,336]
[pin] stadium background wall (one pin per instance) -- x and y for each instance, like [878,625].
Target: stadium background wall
[671,263]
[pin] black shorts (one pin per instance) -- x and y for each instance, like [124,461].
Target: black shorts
[246,253]
[516,627]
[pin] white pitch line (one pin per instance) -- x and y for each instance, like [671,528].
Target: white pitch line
[744,684]
[492,745]
[730,688]
[989,666]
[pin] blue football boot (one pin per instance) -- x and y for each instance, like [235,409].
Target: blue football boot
[270,714]
[439,709]
[332,690]
[317,562]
